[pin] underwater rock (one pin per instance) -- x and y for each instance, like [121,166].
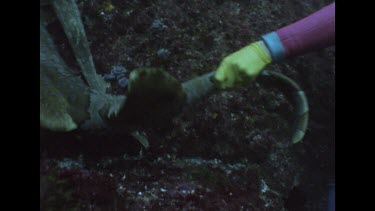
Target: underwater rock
[118,77]
[123,82]
[109,77]
[157,25]
[69,164]
[118,69]
[163,54]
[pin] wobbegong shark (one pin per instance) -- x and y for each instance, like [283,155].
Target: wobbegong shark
[67,102]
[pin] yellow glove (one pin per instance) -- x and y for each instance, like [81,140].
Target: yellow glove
[243,66]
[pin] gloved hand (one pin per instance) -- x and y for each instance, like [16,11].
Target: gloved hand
[243,66]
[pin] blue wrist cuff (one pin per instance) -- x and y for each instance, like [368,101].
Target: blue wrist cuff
[275,46]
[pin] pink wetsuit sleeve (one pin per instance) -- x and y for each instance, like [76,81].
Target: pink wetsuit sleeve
[313,32]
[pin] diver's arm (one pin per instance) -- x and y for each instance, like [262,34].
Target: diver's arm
[311,33]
